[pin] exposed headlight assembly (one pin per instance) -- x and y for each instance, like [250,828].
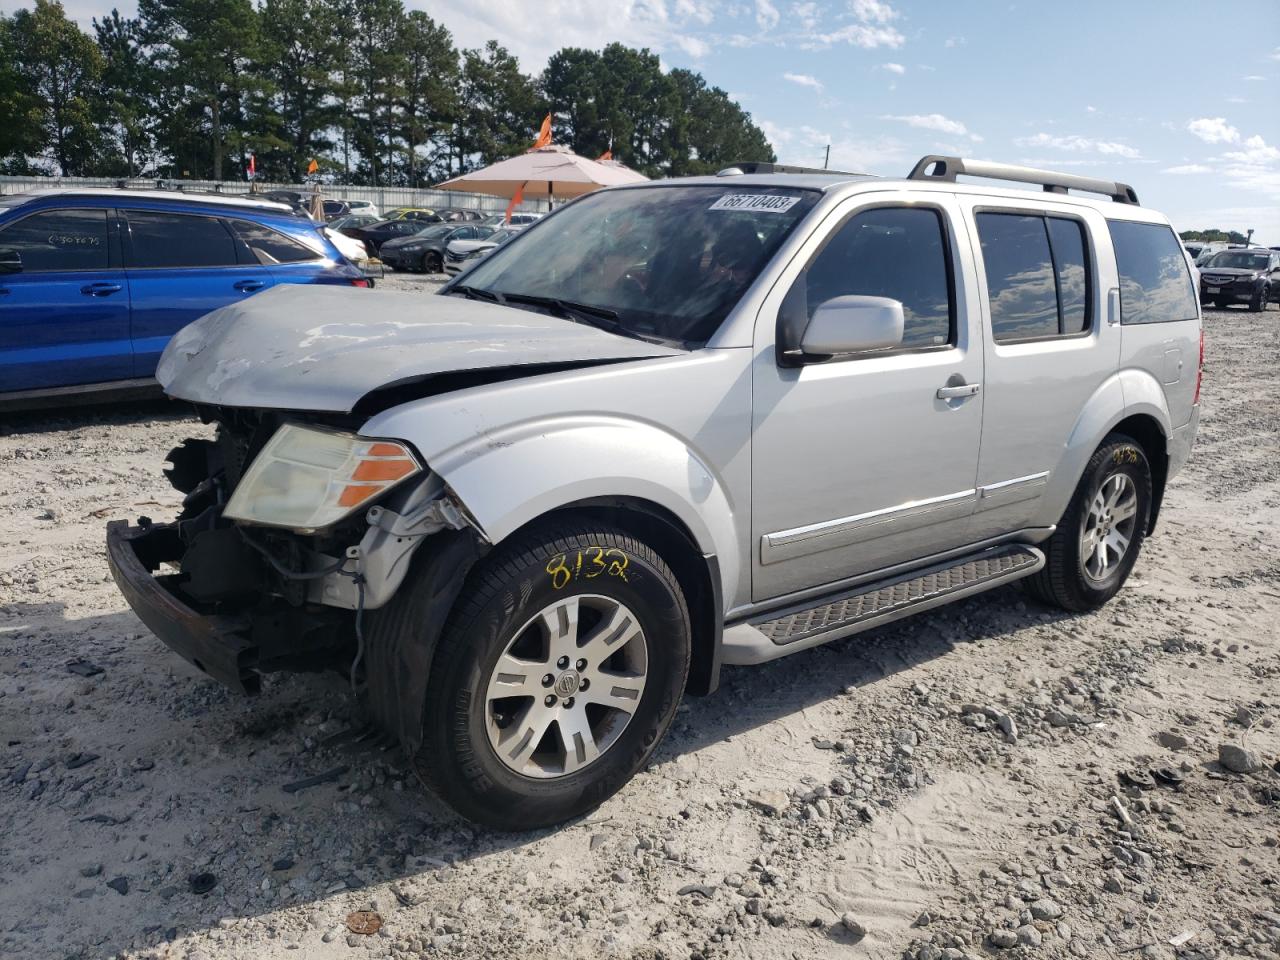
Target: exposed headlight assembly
[306,478]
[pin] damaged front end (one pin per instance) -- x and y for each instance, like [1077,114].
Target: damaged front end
[239,597]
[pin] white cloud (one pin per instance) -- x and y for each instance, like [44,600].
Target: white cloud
[856,35]
[693,46]
[806,14]
[1089,108]
[767,15]
[955,42]
[806,146]
[873,11]
[897,68]
[1078,144]
[1276,54]
[1253,76]
[1214,130]
[1189,168]
[935,121]
[803,80]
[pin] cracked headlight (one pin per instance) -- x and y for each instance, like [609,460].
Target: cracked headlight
[307,478]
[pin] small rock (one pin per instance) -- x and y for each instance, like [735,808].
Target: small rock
[91,870]
[855,929]
[1046,910]
[1173,740]
[1002,939]
[1245,716]
[622,875]
[701,889]
[120,885]
[1238,759]
[772,802]
[1029,936]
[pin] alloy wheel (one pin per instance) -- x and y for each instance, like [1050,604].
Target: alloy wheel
[1109,526]
[566,686]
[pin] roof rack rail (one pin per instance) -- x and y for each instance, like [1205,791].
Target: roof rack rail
[946,169]
[763,166]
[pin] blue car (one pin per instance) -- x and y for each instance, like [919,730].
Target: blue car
[93,283]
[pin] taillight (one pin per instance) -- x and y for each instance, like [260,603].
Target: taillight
[1200,369]
[360,282]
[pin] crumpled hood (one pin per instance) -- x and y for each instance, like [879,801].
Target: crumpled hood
[313,347]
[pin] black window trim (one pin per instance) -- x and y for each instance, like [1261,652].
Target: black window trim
[1192,279]
[126,232]
[797,357]
[114,260]
[1091,273]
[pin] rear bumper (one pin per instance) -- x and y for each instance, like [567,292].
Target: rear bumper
[217,645]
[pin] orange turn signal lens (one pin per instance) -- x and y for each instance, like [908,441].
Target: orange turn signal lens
[383,470]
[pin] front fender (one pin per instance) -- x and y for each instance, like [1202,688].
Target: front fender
[513,475]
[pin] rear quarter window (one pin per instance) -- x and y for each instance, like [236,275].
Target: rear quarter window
[1155,284]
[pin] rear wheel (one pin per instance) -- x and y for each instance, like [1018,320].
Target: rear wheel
[556,677]
[431,262]
[1260,299]
[1096,544]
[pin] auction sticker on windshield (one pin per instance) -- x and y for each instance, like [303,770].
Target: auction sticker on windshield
[762,202]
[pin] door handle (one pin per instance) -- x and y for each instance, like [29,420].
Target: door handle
[249,286]
[958,391]
[100,289]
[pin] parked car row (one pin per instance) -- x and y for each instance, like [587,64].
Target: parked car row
[93,283]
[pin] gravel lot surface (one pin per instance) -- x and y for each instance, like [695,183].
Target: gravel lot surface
[951,786]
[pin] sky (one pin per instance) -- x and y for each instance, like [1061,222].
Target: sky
[1123,90]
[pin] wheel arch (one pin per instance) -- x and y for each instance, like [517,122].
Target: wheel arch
[697,572]
[1146,431]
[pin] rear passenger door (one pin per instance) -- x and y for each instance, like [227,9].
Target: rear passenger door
[64,304]
[1046,269]
[180,267]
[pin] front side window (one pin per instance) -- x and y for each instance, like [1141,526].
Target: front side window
[665,262]
[172,240]
[54,240]
[267,246]
[895,252]
[1155,284]
[1037,275]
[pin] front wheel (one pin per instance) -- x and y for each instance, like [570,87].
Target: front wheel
[556,677]
[432,263]
[1260,299]
[1096,544]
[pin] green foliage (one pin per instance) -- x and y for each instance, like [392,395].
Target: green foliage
[372,92]
[1206,236]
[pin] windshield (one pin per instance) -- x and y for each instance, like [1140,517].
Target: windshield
[431,233]
[670,262]
[1238,260]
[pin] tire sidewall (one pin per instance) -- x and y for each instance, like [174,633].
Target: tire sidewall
[454,717]
[1119,457]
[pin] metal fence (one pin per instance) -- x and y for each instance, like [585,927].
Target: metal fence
[386,198]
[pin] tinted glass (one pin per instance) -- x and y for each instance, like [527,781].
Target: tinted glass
[1239,260]
[1072,270]
[59,240]
[1020,279]
[1155,284]
[178,240]
[897,253]
[268,247]
[670,261]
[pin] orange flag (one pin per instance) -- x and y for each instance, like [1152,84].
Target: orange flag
[544,134]
[607,155]
[516,200]
[312,167]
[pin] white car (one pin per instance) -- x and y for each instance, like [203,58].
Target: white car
[518,220]
[460,255]
[364,207]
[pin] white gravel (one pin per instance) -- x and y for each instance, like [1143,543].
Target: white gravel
[866,799]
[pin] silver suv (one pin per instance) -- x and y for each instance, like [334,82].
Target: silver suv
[672,426]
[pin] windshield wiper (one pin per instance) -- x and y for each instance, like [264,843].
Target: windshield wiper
[479,293]
[601,317]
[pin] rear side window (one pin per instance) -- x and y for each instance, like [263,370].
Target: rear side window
[267,246]
[1155,284]
[178,240]
[895,252]
[1037,275]
[59,240]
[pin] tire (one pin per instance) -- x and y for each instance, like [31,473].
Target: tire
[1074,577]
[432,262]
[478,750]
[1260,299]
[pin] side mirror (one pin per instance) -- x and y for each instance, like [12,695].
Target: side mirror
[853,324]
[10,261]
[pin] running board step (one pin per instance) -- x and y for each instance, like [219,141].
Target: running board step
[799,627]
